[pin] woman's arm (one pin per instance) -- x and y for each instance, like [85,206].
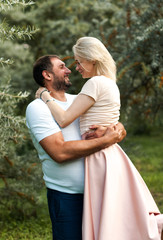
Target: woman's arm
[79,106]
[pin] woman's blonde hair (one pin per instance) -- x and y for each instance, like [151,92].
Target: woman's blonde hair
[92,49]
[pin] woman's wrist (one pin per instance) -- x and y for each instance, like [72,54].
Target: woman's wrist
[41,93]
[45,95]
[49,100]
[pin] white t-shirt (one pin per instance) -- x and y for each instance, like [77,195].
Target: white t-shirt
[106,109]
[66,177]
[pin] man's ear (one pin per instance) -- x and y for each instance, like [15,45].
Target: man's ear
[46,75]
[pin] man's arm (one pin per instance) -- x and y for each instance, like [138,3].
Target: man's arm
[61,151]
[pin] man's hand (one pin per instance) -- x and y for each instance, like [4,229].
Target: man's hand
[122,132]
[97,131]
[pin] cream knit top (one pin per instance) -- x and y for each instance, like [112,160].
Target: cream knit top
[106,109]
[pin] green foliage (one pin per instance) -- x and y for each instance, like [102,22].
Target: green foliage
[20,58]
[140,64]
[7,32]
[14,48]
[19,170]
[9,123]
[5,62]
[8,4]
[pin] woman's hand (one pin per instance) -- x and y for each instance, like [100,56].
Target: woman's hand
[43,94]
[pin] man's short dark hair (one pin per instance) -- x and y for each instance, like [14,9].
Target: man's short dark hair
[41,64]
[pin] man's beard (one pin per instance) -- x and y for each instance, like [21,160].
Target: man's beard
[59,83]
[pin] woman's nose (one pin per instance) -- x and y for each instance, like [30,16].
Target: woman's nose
[77,67]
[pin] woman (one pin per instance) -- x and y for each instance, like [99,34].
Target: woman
[117,203]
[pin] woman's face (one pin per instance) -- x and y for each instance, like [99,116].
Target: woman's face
[84,67]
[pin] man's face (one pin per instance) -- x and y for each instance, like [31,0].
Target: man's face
[60,75]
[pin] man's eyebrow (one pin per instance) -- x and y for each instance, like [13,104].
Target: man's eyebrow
[62,64]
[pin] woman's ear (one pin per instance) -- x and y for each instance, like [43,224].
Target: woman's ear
[46,75]
[94,62]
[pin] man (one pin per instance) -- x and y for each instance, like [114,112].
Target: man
[61,151]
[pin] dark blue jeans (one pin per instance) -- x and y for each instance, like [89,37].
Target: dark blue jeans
[66,215]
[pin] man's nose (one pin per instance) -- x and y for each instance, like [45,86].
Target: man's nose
[68,70]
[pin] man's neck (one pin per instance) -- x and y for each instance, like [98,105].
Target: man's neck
[59,95]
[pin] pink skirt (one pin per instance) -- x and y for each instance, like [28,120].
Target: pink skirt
[117,202]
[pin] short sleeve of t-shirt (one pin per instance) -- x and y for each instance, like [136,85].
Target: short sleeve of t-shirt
[40,120]
[91,88]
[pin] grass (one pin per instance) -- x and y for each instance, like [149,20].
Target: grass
[146,152]
[29,228]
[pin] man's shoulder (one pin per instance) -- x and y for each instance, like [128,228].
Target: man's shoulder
[35,102]
[37,106]
[39,120]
